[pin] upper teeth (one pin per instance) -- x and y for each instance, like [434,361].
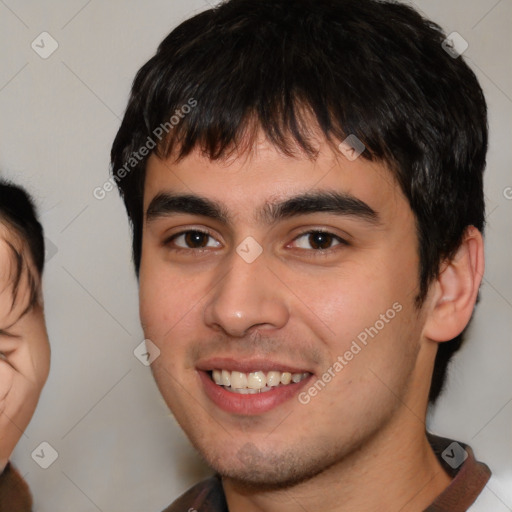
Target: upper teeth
[255,380]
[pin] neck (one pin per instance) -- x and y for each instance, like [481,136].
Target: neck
[395,470]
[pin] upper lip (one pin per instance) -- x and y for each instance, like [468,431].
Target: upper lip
[247,365]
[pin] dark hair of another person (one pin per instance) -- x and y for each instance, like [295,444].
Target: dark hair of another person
[374,69]
[18,212]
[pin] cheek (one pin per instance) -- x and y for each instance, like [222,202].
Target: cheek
[366,317]
[158,304]
[342,304]
[168,304]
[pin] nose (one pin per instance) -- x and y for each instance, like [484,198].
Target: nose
[248,296]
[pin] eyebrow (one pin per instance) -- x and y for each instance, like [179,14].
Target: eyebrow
[342,204]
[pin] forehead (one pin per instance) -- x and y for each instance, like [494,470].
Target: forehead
[247,185]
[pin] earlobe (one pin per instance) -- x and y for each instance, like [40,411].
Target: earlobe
[455,290]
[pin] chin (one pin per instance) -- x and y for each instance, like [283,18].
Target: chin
[252,468]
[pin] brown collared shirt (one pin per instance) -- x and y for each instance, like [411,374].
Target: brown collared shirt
[468,480]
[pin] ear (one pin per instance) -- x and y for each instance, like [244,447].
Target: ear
[454,292]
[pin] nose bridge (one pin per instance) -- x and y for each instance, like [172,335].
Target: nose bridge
[247,296]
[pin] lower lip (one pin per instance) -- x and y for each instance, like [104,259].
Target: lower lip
[253,404]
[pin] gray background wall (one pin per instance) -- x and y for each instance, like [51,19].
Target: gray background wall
[118,447]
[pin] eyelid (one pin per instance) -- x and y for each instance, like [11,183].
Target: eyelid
[183,230]
[338,238]
[172,237]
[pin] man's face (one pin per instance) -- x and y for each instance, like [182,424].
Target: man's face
[210,301]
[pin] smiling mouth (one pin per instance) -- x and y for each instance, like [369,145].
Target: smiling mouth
[255,382]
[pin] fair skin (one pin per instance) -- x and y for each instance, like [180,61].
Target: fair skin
[24,347]
[359,443]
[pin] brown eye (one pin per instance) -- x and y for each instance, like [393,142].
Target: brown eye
[195,239]
[192,239]
[318,240]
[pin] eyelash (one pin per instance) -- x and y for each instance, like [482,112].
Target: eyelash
[317,252]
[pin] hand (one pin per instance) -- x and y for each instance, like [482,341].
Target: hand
[24,347]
